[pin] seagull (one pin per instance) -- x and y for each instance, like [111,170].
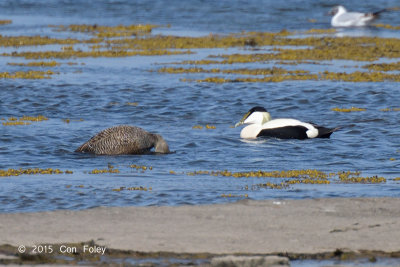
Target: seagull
[343,18]
[124,139]
[261,125]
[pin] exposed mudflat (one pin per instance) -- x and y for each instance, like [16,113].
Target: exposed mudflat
[271,226]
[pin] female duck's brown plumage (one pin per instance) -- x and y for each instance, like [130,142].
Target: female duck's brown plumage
[124,139]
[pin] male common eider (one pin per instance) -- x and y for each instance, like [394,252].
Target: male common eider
[261,125]
[124,139]
[342,18]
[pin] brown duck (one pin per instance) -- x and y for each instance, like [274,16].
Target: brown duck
[124,139]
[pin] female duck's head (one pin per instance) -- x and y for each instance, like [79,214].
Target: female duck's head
[256,115]
[160,145]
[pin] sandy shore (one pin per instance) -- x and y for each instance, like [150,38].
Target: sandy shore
[295,226]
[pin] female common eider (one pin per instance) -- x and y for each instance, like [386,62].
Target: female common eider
[342,18]
[123,139]
[261,125]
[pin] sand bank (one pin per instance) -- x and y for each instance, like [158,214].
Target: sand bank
[271,226]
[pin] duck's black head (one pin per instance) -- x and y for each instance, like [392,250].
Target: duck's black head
[257,109]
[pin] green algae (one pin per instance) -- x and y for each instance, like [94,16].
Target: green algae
[17,41]
[300,174]
[243,71]
[352,109]
[321,76]
[291,177]
[359,76]
[317,47]
[207,126]
[27,75]
[80,54]
[230,195]
[387,26]
[354,177]
[320,31]
[71,120]
[389,109]
[24,120]
[36,64]
[320,48]
[141,167]
[384,66]
[110,169]
[210,41]
[31,171]
[5,21]
[268,185]
[134,104]
[109,31]
[134,188]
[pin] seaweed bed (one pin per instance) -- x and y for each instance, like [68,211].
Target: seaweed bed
[280,179]
[315,47]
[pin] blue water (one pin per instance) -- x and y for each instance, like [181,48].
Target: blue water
[93,95]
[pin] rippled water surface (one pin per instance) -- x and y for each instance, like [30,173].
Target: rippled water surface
[97,93]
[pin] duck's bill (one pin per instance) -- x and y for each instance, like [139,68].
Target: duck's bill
[238,124]
[242,120]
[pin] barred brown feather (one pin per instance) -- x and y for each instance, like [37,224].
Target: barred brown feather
[124,139]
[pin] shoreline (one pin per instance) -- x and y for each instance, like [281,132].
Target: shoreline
[247,227]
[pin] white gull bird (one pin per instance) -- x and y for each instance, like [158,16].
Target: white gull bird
[343,18]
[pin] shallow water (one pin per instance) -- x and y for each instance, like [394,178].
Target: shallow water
[94,94]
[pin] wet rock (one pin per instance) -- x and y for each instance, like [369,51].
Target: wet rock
[4,257]
[249,261]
